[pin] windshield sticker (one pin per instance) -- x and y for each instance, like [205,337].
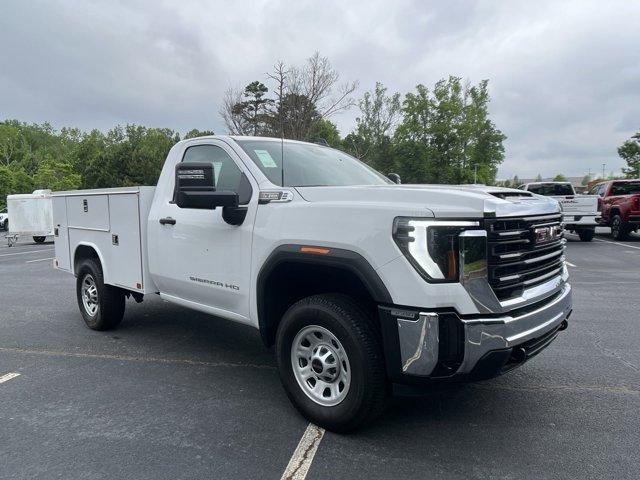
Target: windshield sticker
[266,159]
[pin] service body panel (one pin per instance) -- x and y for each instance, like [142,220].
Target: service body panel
[109,222]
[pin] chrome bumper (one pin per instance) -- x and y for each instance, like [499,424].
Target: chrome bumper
[419,338]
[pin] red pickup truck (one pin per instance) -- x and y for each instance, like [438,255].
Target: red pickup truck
[619,206]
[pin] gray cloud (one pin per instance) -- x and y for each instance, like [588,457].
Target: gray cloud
[564,76]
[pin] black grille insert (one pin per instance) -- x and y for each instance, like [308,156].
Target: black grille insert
[516,259]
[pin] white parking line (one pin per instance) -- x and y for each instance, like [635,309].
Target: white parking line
[25,253]
[8,376]
[616,243]
[303,455]
[40,260]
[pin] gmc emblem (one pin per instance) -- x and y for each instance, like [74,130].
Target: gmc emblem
[547,234]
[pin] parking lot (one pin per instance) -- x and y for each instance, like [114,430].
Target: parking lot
[176,394]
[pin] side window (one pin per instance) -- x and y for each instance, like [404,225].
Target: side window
[227,174]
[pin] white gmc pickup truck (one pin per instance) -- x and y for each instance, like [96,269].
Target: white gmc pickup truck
[579,212]
[360,283]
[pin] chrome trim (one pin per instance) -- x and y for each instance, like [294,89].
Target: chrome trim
[418,248]
[485,334]
[473,272]
[529,261]
[274,196]
[537,293]
[419,344]
[522,207]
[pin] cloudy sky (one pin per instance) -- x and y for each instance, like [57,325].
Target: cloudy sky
[564,76]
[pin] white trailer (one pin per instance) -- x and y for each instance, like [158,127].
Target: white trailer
[30,215]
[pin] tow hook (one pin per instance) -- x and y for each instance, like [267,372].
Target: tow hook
[519,354]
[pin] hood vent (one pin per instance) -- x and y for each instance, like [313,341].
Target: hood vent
[511,194]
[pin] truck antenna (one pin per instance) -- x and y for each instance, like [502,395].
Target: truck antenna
[282,146]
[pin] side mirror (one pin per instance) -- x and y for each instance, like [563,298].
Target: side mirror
[395,178]
[195,187]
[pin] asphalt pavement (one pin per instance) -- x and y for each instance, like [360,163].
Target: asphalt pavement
[175,394]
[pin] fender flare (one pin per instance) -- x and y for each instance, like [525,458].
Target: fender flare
[338,258]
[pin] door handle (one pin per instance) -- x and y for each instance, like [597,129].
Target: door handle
[167,221]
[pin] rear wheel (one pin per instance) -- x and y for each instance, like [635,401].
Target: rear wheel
[619,230]
[331,362]
[39,239]
[101,306]
[587,234]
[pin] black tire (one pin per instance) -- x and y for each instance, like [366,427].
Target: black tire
[619,231]
[356,330]
[110,300]
[5,225]
[39,239]
[586,235]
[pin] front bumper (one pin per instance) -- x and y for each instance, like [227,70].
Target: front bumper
[424,346]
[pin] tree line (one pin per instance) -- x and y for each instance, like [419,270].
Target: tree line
[437,134]
[441,134]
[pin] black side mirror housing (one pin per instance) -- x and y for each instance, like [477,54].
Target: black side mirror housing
[195,187]
[395,178]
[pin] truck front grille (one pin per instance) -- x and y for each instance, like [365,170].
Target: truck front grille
[519,255]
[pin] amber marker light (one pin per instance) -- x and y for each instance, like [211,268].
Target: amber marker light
[315,250]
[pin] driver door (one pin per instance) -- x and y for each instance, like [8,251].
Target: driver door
[198,258]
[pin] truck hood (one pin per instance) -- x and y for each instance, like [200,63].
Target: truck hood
[442,201]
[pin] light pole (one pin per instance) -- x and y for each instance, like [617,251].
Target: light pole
[475,173]
[603,165]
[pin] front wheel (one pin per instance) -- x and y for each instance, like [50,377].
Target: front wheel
[39,239]
[619,230]
[587,234]
[101,306]
[331,362]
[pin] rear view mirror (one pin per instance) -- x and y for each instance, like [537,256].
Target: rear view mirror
[395,178]
[195,187]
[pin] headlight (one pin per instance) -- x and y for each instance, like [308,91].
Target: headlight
[432,246]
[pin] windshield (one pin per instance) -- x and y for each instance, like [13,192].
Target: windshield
[307,165]
[549,189]
[625,188]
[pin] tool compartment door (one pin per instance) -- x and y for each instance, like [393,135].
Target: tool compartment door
[125,249]
[61,238]
[89,212]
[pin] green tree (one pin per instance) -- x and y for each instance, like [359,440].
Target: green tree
[559,178]
[6,185]
[10,143]
[248,113]
[371,141]
[585,180]
[56,175]
[516,182]
[629,151]
[446,135]
[323,129]
[194,133]
[538,178]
